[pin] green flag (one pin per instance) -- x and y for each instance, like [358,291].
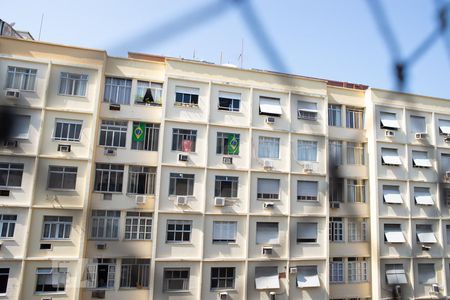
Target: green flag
[138,132]
[233,144]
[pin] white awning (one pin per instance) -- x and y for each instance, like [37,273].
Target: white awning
[423,198]
[444,126]
[389,120]
[266,278]
[396,275]
[422,162]
[395,237]
[307,106]
[392,196]
[390,157]
[307,277]
[270,106]
[426,237]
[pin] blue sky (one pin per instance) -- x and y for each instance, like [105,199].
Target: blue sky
[336,40]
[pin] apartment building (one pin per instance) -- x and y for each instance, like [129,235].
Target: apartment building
[160,178]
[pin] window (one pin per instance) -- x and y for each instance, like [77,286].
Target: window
[422,196]
[393,233]
[267,233]
[228,143]
[306,232]
[444,127]
[117,91]
[226,186]
[389,121]
[307,276]
[447,227]
[184,140]
[307,190]
[222,278]
[4,276]
[56,228]
[21,78]
[181,184]
[186,95]
[224,231]
[101,273]
[356,190]
[418,124]
[389,157]
[51,280]
[445,162]
[336,230]
[105,224]
[268,189]
[145,136]
[336,270]
[135,273]
[21,127]
[395,274]
[427,273]
[391,194]
[357,230]
[138,225]
[446,195]
[179,231]
[269,106]
[267,278]
[357,269]
[11,175]
[141,180]
[7,225]
[176,280]
[355,118]
[307,150]
[113,133]
[334,115]
[420,159]
[335,154]
[269,147]
[73,84]
[307,110]
[108,178]
[355,153]
[336,189]
[62,177]
[229,101]
[424,234]
[148,93]
[67,130]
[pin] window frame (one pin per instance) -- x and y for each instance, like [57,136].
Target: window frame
[151,137]
[7,226]
[229,225]
[27,77]
[134,176]
[267,241]
[267,196]
[335,115]
[104,216]
[265,150]
[223,143]
[179,135]
[307,240]
[139,266]
[61,173]
[70,81]
[57,226]
[9,168]
[173,183]
[110,170]
[60,272]
[138,226]
[354,118]
[185,280]
[222,278]
[117,88]
[307,150]
[336,230]
[187,96]
[233,101]
[109,130]
[233,181]
[69,123]
[186,234]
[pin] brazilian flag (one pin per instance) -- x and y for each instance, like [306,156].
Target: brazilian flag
[233,144]
[138,132]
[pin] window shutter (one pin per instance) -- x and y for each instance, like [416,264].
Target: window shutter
[267,233]
[307,188]
[91,277]
[268,186]
[418,124]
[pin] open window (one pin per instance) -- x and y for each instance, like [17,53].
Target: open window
[389,121]
[444,127]
[390,157]
[391,194]
[101,273]
[307,276]
[420,159]
[270,106]
[425,234]
[307,110]
[393,234]
[266,278]
[395,274]
[422,196]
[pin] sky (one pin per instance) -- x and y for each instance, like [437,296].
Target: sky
[337,40]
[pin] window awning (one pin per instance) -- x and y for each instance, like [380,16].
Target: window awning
[307,106]
[390,157]
[423,198]
[422,162]
[266,278]
[426,237]
[396,276]
[270,106]
[444,126]
[394,237]
[389,121]
[307,277]
[392,196]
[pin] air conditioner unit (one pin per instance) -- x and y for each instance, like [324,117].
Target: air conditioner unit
[12,94]
[397,292]
[64,148]
[46,298]
[267,250]
[227,160]
[219,201]
[268,205]
[181,200]
[447,139]
[11,143]
[115,107]
[223,296]
[141,199]
[308,168]
[5,193]
[107,196]
[110,151]
[447,175]
[389,133]
[435,289]
[101,246]
[426,248]
[99,294]
[293,270]
[421,135]
[183,157]
[45,246]
[270,120]
[268,165]
[335,204]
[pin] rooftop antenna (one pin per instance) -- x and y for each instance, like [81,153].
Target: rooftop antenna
[193,55]
[40,28]
[220,57]
[241,56]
